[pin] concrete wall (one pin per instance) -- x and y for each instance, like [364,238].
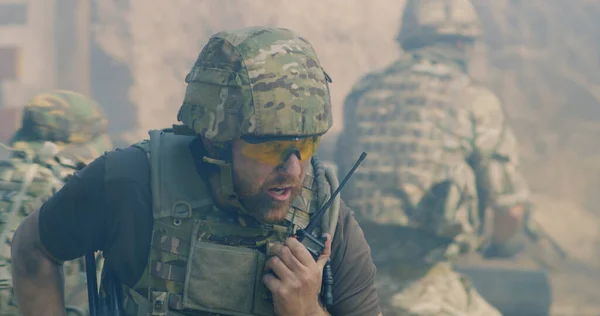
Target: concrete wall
[72,44]
[35,41]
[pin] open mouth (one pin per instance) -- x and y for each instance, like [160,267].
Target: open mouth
[280,193]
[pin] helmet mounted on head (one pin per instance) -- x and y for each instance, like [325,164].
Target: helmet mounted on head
[262,85]
[425,22]
[73,122]
[257,82]
[62,116]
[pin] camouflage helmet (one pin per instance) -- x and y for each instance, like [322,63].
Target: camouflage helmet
[427,21]
[62,116]
[256,81]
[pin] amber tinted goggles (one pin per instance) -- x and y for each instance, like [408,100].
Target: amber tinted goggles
[276,151]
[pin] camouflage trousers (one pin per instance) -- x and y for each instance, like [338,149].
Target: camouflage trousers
[436,291]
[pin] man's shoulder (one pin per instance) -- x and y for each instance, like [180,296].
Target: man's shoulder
[347,227]
[365,83]
[408,73]
[345,212]
[126,163]
[128,152]
[377,77]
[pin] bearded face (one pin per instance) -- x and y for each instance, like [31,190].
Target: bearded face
[265,189]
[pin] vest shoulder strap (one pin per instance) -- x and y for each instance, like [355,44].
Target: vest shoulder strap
[176,190]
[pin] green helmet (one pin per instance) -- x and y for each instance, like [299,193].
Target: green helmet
[62,116]
[428,21]
[256,81]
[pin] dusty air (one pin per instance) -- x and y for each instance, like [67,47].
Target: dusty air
[299,158]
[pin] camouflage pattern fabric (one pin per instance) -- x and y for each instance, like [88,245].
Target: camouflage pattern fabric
[441,154]
[257,82]
[61,130]
[200,235]
[47,179]
[61,116]
[12,175]
[438,144]
[440,291]
[254,82]
[423,123]
[88,152]
[78,153]
[71,121]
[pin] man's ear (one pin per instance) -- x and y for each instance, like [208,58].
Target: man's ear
[221,151]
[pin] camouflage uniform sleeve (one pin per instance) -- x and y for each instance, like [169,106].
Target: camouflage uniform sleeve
[494,154]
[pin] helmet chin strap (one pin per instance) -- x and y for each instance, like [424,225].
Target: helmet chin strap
[221,181]
[225,190]
[224,181]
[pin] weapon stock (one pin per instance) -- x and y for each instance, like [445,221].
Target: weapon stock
[92,283]
[535,232]
[102,306]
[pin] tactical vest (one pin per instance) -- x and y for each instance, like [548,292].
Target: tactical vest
[408,118]
[204,261]
[27,180]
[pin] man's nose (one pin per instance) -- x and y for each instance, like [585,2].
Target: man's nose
[291,166]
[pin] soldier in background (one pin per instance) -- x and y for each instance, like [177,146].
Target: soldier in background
[197,219]
[61,131]
[441,156]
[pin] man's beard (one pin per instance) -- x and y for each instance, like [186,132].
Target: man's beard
[260,204]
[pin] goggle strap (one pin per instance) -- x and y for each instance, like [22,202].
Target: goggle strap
[212,161]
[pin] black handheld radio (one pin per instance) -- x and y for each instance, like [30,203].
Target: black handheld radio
[316,244]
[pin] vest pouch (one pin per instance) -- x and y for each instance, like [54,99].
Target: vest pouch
[225,279]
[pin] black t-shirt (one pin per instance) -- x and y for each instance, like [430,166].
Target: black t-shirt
[107,206]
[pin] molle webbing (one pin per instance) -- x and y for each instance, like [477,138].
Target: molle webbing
[196,246]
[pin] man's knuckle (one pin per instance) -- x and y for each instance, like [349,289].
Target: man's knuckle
[274,261]
[286,252]
[283,291]
[311,266]
[293,243]
[305,278]
[276,249]
[267,279]
[296,284]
